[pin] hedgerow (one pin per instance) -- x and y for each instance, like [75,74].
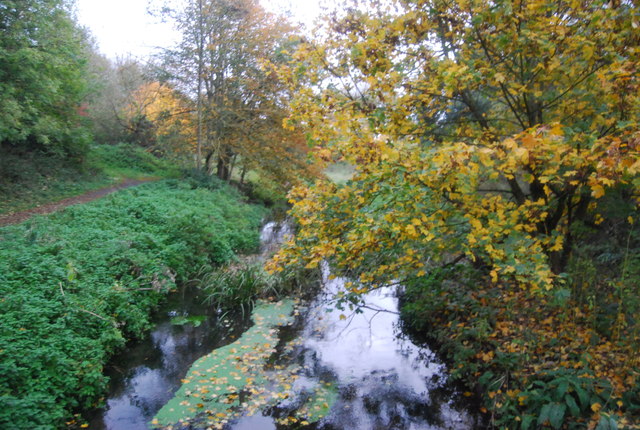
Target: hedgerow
[76,285]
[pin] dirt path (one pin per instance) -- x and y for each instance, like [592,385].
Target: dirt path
[18,217]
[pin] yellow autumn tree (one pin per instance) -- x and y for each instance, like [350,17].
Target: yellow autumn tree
[162,119]
[479,130]
[220,61]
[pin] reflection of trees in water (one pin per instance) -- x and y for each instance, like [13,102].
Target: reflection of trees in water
[146,374]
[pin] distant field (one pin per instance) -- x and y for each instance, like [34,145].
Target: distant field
[340,172]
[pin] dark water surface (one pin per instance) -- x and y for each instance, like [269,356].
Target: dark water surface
[147,373]
[381,379]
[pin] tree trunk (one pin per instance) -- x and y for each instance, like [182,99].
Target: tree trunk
[244,171]
[224,163]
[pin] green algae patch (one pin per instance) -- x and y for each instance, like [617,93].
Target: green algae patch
[319,404]
[194,320]
[231,378]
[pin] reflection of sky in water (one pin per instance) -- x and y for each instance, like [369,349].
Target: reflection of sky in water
[147,374]
[147,389]
[368,342]
[383,379]
[389,380]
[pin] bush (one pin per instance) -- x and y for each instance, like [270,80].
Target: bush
[535,361]
[76,284]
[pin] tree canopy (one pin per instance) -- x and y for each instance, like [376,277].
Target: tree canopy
[42,81]
[484,130]
[239,106]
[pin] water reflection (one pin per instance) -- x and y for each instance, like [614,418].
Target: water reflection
[147,374]
[383,380]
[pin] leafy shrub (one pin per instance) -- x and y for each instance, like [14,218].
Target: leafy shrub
[76,284]
[535,361]
[199,178]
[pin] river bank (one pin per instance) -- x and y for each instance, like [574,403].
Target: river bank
[75,285]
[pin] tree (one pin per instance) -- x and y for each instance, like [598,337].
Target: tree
[480,129]
[42,77]
[239,106]
[160,118]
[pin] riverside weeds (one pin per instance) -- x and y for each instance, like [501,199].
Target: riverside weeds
[75,285]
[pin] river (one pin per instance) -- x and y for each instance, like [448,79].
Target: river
[377,377]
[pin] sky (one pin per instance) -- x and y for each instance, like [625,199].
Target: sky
[123,27]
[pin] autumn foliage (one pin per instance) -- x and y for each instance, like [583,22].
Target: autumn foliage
[484,134]
[161,118]
[238,104]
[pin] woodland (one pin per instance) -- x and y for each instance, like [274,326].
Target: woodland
[482,156]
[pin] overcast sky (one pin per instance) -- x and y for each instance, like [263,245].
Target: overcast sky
[123,27]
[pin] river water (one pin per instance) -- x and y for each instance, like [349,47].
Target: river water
[379,377]
[148,372]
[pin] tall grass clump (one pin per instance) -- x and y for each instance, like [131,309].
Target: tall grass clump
[241,284]
[74,286]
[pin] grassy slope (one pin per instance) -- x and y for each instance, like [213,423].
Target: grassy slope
[27,181]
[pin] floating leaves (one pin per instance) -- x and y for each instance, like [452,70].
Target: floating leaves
[194,320]
[216,382]
[237,380]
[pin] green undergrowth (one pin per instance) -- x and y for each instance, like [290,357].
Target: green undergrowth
[75,285]
[129,161]
[533,360]
[31,179]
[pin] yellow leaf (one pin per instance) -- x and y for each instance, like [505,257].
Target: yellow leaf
[588,51]
[597,191]
[596,407]
[494,276]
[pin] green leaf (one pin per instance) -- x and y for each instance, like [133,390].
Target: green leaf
[552,412]
[562,389]
[527,420]
[556,414]
[583,397]
[573,406]
[544,414]
[607,423]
